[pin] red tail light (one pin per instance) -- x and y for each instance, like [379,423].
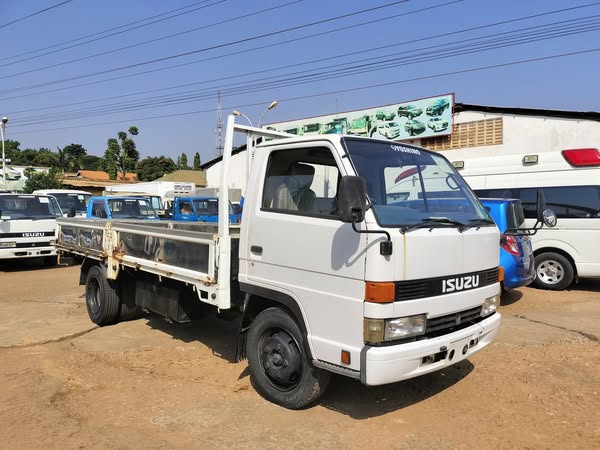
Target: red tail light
[511,245]
[581,157]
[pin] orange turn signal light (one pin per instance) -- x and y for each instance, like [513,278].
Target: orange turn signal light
[379,292]
[345,357]
[500,273]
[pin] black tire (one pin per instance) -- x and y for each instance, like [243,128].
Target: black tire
[101,297]
[128,309]
[553,271]
[280,370]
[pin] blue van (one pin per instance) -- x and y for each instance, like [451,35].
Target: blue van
[117,207]
[516,252]
[201,209]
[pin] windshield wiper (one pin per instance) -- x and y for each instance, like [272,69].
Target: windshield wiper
[433,222]
[477,223]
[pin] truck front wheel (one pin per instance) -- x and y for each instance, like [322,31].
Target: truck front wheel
[279,367]
[101,297]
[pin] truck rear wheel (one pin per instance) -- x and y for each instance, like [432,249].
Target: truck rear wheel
[279,367]
[553,271]
[101,297]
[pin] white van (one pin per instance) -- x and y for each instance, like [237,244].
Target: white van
[570,180]
[69,200]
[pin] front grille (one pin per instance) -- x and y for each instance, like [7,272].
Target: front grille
[32,244]
[431,287]
[449,323]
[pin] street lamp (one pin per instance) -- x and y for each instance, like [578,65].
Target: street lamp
[271,106]
[4,122]
[238,113]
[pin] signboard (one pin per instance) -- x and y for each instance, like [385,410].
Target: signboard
[401,121]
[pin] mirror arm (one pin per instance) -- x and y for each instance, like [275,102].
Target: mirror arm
[385,247]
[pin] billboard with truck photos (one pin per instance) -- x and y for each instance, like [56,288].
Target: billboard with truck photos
[401,121]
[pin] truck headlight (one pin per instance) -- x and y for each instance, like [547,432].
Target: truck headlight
[8,244]
[490,305]
[380,330]
[52,242]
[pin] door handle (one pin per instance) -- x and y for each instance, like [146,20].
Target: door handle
[257,249]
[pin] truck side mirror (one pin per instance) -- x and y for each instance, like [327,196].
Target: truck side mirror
[352,199]
[544,215]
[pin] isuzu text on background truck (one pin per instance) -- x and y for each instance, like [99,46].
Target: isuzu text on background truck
[329,271]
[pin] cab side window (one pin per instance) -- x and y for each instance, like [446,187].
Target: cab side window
[301,182]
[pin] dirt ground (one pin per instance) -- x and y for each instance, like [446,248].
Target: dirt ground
[149,384]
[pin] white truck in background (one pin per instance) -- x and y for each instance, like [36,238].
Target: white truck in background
[166,191]
[28,227]
[344,279]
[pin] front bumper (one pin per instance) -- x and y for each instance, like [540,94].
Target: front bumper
[382,365]
[24,252]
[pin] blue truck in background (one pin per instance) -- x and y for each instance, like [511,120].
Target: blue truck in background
[120,207]
[201,209]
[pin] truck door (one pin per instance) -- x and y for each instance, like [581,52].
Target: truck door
[298,248]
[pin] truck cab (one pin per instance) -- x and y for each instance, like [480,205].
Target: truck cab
[70,201]
[201,209]
[28,226]
[118,207]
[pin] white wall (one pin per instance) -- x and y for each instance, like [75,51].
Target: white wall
[527,135]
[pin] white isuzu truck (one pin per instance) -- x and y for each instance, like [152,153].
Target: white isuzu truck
[28,226]
[329,271]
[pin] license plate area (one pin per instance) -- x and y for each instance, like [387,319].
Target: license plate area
[459,350]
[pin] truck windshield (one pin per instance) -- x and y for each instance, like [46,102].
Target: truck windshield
[131,209]
[32,207]
[410,186]
[72,200]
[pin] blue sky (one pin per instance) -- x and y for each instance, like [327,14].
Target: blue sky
[314,57]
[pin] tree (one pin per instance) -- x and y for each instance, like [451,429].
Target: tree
[119,159]
[48,180]
[74,153]
[149,169]
[197,162]
[90,162]
[61,160]
[183,162]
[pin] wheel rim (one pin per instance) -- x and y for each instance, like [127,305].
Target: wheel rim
[550,272]
[280,359]
[93,297]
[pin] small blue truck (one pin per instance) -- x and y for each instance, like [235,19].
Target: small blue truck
[120,207]
[201,209]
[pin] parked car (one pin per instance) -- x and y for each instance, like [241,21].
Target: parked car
[438,108]
[516,252]
[390,130]
[409,111]
[383,115]
[413,127]
[437,124]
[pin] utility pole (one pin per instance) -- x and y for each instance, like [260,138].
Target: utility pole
[219,129]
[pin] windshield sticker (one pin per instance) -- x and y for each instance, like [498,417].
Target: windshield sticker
[80,197]
[44,200]
[403,149]
[142,202]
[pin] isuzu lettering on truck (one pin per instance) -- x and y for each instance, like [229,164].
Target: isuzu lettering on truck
[328,272]
[28,226]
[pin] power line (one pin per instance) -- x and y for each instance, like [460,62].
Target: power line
[205,49]
[374,63]
[340,91]
[101,32]
[107,52]
[35,13]
[505,22]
